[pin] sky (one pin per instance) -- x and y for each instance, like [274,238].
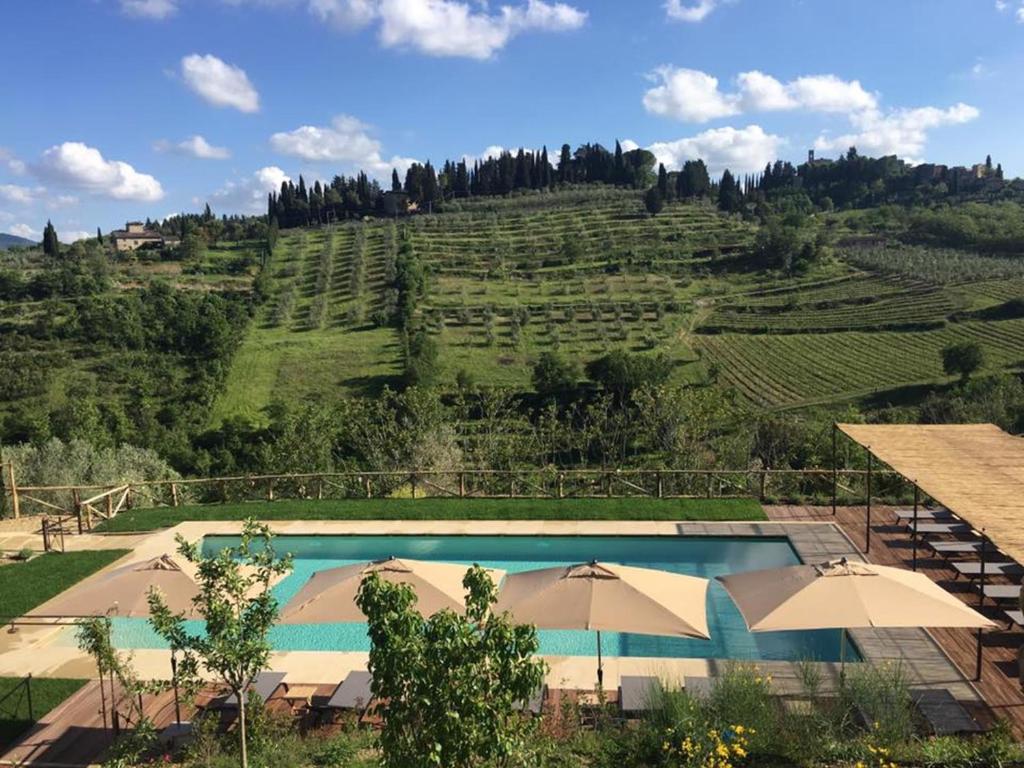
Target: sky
[113,110]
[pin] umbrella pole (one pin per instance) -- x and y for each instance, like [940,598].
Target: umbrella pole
[174,682]
[842,657]
[600,667]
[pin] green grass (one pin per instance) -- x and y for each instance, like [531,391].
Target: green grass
[24,586]
[47,693]
[444,509]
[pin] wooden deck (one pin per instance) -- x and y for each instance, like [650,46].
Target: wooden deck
[891,545]
[74,733]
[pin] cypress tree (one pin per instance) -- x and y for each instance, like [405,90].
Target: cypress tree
[51,245]
[662,181]
[565,164]
[99,236]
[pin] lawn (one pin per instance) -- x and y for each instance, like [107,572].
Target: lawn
[445,509]
[24,586]
[15,717]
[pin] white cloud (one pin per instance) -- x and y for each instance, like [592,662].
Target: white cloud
[688,95]
[73,235]
[14,193]
[249,195]
[219,83]
[741,150]
[902,132]
[10,162]
[494,150]
[694,96]
[149,9]
[196,146]
[24,230]
[449,27]
[691,11]
[346,140]
[83,167]
[61,201]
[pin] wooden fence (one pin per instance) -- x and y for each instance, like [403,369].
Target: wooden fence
[75,508]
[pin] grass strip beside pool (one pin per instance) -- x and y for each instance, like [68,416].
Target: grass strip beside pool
[24,586]
[47,693]
[444,509]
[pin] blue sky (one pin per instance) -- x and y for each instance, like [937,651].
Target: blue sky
[103,100]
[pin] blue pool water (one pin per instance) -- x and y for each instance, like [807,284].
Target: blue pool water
[696,555]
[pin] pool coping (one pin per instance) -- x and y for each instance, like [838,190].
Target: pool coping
[922,659]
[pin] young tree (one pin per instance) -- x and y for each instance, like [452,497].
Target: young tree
[99,236]
[555,377]
[238,609]
[654,202]
[449,685]
[963,359]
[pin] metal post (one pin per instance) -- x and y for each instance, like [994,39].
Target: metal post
[867,529]
[835,470]
[917,501]
[981,576]
[600,666]
[977,663]
[15,500]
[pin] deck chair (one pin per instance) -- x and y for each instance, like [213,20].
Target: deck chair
[699,687]
[637,694]
[934,515]
[973,570]
[535,704]
[948,548]
[939,528]
[942,713]
[263,686]
[999,591]
[353,693]
[1014,617]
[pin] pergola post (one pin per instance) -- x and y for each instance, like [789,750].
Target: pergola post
[917,501]
[981,602]
[835,468]
[867,526]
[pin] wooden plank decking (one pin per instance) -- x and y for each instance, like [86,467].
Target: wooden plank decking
[891,545]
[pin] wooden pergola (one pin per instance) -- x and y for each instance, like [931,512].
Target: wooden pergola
[974,470]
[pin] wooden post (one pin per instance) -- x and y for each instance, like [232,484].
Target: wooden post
[412,482]
[835,468]
[270,489]
[661,487]
[28,695]
[15,501]
[561,485]
[462,485]
[917,501]
[174,494]
[319,487]
[764,486]
[711,480]
[867,527]
[366,483]
[608,484]
[110,505]
[223,492]
[76,501]
[46,533]
[129,498]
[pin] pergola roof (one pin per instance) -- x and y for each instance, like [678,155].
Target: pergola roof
[975,470]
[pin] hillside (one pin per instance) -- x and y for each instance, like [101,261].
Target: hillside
[584,272]
[13,241]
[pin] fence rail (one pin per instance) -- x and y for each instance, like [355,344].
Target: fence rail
[73,508]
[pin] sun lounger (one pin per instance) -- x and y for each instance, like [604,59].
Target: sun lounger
[535,704]
[947,548]
[352,693]
[973,570]
[1000,591]
[263,686]
[636,693]
[699,687]
[925,514]
[944,715]
[939,528]
[1015,617]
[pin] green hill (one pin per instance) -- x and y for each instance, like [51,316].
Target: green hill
[13,241]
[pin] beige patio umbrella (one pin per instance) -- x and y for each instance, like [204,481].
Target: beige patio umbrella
[124,591]
[604,596]
[330,595]
[841,594]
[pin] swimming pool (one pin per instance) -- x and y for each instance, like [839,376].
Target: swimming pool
[705,556]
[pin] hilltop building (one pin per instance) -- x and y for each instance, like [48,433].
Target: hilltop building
[135,236]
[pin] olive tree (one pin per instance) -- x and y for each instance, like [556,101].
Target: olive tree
[450,687]
[963,359]
[238,608]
